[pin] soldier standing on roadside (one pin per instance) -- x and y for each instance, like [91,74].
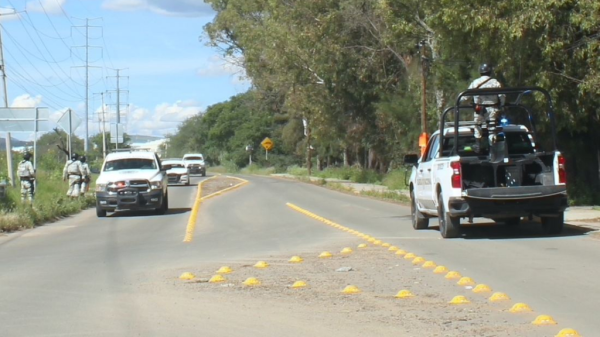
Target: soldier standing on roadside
[27,177]
[85,182]
[73,172]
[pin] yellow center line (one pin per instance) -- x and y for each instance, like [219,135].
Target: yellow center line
[191,226]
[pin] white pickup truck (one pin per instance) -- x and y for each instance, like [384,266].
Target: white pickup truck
[505,181]
[194,162]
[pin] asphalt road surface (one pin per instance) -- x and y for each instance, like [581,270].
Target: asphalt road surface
[117,276]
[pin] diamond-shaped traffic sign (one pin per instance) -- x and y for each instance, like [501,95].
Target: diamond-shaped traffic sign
[267,143]
[63,121]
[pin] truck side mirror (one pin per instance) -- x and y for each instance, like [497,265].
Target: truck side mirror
[411,159]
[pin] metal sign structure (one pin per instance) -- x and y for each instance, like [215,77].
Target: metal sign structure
[25,120]
[116,133]
[268,144]
[69,122]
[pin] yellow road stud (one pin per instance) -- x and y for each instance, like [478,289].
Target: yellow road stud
[499,297]
[299,284]
[362,245]
[372,239]
[568,333]
[261,265]
[409,256]
[217,279]
[224,270]
[377,242]
[440,270]
[544,320]
[393,249]
[453,275]
[187,276]
[429,265]
[351,290]
[325,255]
[459,300]
[400,252]
[296,259]
[465,281]
[482,288]
[251,282]
[346,250]
[385,245]
[404,294]
[520,307]
[418,260]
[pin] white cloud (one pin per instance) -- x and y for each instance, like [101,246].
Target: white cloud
[189,8]
[53,7]
[217,66]
[26,101]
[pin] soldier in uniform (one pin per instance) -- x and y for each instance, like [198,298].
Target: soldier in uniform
[27,177]
[85,181]
[73,172]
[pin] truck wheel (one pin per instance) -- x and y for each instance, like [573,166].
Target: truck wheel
[100,212]
[164,208]
[449,226]
[554,225]
[419,221]
[512,222]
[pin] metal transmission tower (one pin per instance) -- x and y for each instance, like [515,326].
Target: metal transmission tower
[118,92]
[87,73]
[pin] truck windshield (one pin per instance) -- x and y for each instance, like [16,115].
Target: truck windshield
[193,158]
[518,143]
[130,164]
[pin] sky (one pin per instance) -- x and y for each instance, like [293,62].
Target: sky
[169,72]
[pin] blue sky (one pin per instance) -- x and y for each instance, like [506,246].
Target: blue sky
[171,75]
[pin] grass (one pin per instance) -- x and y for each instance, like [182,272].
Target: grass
[50,204]
[255,169]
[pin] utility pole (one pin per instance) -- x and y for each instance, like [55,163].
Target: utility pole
[87,75]
[424,67]
[118,104]
[11,175]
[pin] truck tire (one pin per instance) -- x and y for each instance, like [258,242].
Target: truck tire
[419,221]
[512,222]
[164,207]
[553,225]
[100,212]
[449,226]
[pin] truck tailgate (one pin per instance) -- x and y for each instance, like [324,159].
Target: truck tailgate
[515,193]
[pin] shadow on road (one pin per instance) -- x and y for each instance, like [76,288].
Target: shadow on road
[126,214]
[526,230]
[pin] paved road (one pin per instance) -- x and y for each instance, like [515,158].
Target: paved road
[85,276]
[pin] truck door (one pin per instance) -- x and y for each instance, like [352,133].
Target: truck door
[424,175]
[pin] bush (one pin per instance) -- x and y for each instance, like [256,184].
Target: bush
[396,179]
[296,170]
[366,177]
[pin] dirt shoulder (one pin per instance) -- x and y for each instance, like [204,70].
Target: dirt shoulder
[217,184]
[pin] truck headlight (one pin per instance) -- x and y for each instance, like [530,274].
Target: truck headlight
[156,185]
[101,187]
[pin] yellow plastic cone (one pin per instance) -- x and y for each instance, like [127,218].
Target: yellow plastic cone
[351,290]
[418,260]
[400,252]
[224,270]
[440,270]
[429,265]
[482,288]
[453,275]
[520,307]
[296,259]
[299,284]
[393,249]
[459,300]
[499,297]
[251,282]
[325,255]
[568,333]
[544,320]
[187,276]
[404,294]
[217,279]
[261,265]
[465,281]
[346,250]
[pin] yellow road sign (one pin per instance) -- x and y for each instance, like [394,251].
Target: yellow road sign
[267,143]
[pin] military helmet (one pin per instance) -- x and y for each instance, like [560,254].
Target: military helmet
[82,159]
[485,69]
[74,156]
[27,156]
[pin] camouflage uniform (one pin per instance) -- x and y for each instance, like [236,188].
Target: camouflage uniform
[85,182]
[27,176]
[73,172]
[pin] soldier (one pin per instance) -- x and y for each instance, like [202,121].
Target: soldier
[73,172]
[85,181]
[27,177]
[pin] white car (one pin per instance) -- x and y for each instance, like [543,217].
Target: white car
[131,180]
[194,162]
[177,173]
